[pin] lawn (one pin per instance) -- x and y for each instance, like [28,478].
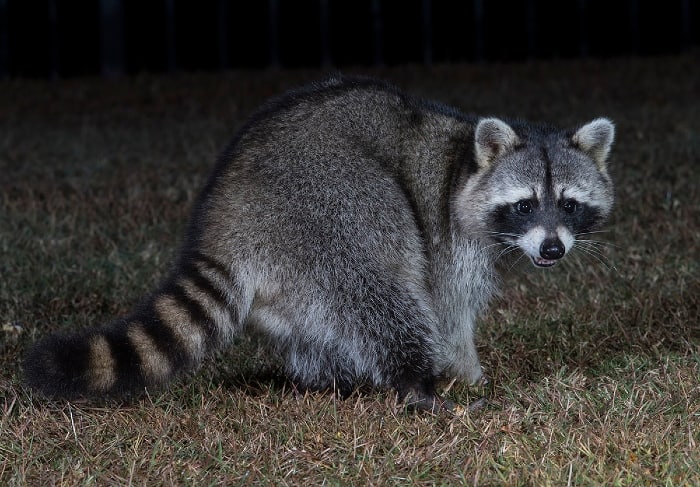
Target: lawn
[595,363]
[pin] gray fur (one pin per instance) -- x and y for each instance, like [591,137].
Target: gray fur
[354,227]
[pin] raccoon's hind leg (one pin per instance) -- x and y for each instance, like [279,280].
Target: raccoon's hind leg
[195,311]
[377,333]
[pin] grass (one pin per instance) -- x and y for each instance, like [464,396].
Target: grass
[596,363]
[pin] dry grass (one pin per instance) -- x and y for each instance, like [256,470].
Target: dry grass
[596,363]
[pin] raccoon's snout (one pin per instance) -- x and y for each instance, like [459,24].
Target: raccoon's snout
[551,250]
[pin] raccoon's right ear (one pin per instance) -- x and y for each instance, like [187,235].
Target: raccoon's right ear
[492,137]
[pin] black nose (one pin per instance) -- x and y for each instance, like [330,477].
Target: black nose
[552,249]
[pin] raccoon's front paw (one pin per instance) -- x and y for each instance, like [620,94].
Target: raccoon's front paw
[424,397]
[478,404]
[476,377]
[485,386]
[484,391]
[417,401]
[483,381]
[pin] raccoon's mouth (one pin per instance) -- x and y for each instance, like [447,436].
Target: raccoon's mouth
[540,262]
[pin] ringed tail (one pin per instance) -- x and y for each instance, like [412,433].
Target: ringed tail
[171,332]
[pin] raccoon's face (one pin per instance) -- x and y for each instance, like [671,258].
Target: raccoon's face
[544,223]
[539,189]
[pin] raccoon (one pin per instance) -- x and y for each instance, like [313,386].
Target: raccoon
[357,228]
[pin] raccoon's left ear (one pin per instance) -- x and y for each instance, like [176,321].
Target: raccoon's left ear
[595,139]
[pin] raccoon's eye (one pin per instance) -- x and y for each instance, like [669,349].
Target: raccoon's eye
[570,206]
[524,207]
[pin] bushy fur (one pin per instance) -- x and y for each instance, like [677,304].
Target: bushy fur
[354,227]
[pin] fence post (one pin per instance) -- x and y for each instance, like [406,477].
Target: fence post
[325,30]
[479,30]
[112,38]
[54,41]
[427,32]
[4,41]
[378,34]
[273,28]
[170,38]
[222,34]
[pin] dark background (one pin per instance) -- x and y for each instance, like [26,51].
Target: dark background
[66,38]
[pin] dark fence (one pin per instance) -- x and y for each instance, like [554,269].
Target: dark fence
[55,38]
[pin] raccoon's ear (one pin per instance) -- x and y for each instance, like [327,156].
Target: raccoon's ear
[595,139]
[492,137]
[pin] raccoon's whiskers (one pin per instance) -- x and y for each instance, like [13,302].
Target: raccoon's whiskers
[516,260]
[501,234]
[593,245]
[506,248]
[607,266]
[592,249]
[594,232]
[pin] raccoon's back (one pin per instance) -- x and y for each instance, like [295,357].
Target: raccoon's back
[306,199]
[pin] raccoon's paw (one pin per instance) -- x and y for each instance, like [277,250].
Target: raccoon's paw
[485,387]
[420,395]
[467,369]
[483,381]
[478,404]
[433,403]
[438,404]
[476,376]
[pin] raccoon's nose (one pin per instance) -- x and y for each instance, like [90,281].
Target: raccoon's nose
[552,249]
